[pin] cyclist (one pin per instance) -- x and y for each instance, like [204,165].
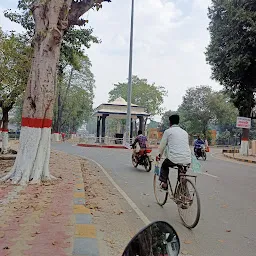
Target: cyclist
[176,142]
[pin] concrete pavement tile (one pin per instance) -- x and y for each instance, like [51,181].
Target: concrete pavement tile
[83,218]
[79,201]
[85,246]
[85,230]
[80,185]
[79,209]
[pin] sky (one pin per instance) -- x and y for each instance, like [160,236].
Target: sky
[170,37]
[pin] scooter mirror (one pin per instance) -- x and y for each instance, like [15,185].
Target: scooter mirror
[157,239]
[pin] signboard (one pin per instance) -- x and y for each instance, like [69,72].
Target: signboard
[243,122]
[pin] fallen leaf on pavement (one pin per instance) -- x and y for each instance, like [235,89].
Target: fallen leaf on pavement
[1,234]
[56,214]
[120,212]
[221,241]
[187,242]
[184,252]
[224,206]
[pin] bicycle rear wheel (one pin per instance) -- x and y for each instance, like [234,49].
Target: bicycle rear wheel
[160,194]
[188,202]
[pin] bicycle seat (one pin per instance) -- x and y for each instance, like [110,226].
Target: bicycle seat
[177,166]
[183,165]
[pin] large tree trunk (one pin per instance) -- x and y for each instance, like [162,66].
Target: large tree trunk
[32,161]
[5,121]
[1,133]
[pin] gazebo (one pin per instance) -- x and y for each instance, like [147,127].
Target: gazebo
[118,110]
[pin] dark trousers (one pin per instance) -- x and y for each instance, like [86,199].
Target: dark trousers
[164,173]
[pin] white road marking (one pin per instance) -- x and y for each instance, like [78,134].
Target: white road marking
[126,197]
[213,176]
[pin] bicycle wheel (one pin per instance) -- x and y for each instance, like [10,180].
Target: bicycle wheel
[187,198]
[160,194]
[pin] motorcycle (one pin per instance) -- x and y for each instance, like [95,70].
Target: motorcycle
[157,239]
[201,152]
[144,158]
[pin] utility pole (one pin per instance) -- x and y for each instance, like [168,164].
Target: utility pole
[129,94]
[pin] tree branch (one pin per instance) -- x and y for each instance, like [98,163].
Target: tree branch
[79,8]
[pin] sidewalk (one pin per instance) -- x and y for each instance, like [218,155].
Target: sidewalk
[238,157]
[50,219]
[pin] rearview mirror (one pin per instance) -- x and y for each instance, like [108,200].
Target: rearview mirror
[157,239]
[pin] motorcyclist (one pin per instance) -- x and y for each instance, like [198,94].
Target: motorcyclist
[197,144]
[140,140]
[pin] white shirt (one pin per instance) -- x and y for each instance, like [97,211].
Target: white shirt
[175,140]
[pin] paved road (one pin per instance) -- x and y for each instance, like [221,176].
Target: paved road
[227,192]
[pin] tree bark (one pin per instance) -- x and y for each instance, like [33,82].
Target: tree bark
[32,161]
[5,121]
[52,18]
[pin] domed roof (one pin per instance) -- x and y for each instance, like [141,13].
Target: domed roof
[120,102]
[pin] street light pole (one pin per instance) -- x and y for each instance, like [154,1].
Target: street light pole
[129,95]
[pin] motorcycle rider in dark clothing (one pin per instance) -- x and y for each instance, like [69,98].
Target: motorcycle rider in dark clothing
[197,144]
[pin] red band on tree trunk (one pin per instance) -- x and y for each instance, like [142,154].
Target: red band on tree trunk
[244,139]
[36,122]
[5,130]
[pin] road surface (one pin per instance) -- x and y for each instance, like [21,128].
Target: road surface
[227,191]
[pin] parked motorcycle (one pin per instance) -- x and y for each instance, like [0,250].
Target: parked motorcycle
[201,152]
[144,158]
[157,239]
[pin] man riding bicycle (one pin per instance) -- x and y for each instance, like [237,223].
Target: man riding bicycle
[176,141]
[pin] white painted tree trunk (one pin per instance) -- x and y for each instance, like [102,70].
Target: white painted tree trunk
[5,144]
[244,150]
[1,137]
[52,18]
[32,161]
[56,137]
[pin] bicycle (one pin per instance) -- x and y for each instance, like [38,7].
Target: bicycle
[182,196]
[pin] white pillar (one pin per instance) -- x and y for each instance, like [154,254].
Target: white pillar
[244,150]
[1,138]
[56,137]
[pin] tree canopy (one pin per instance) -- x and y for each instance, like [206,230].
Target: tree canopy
[74,39]
[195,109]
[232,50]
[200,108]
[144,94]
[15,59]
[165,122]
[75,97]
